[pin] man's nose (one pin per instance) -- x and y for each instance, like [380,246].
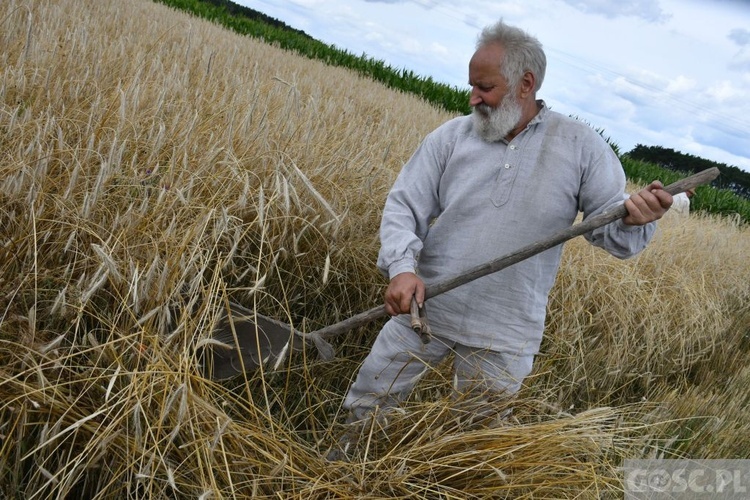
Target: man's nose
[475,99]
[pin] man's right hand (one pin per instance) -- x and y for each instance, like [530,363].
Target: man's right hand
[400,291]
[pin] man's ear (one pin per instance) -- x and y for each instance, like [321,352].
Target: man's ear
[528,83]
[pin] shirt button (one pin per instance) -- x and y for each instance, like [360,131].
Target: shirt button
[507,165]
[512,146]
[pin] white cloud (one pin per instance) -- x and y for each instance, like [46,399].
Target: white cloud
[725,91]
[740,36]
[741,60]
[637,93]
[439,49]
[680,85]
[648,10]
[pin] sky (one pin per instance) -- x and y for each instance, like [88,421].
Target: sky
[669,73]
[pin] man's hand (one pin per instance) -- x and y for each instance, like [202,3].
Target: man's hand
[400,291]
[648,205]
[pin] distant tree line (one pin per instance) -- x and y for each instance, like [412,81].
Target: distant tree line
[240,10]
[731,178]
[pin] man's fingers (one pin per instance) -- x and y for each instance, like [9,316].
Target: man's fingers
[400,292]
[648,205]
[405,303]
[389,307]
[665,199]
[634,213]
[396,305]
[419,295]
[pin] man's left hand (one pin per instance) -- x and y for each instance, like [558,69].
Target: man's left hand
[647,205]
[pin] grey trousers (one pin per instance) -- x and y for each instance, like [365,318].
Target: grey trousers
[398,360]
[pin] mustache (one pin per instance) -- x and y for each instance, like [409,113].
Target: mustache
[484,109]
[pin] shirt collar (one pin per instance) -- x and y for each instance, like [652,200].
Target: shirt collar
[538,118]
[543,109]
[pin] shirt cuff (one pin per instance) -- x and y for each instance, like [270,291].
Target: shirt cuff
[402,266]
[626,227]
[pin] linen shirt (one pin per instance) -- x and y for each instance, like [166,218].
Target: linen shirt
[461,201]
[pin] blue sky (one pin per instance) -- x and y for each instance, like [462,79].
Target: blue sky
[671,73]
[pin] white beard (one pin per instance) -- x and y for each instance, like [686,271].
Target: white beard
[493,124]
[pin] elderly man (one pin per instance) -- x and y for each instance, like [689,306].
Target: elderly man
[478,187]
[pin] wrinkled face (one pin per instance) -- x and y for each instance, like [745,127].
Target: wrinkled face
[488,85]
[497,109]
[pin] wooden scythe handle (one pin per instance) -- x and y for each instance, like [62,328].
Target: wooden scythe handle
[606,217]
